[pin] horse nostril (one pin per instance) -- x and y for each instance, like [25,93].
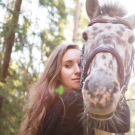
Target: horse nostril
[115,83]
[116,87]
[115,90]
[86,87]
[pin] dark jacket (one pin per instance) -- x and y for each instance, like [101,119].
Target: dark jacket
[64,117]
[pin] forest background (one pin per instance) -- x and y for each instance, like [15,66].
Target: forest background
[29,31]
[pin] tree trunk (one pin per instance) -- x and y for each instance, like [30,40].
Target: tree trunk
[10,40]
[9,44]
[76,20]
[1,101]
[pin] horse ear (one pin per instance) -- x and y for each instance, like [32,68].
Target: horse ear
[92,8]
[131,20]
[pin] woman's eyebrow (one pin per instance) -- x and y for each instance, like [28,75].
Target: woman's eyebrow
[67,61]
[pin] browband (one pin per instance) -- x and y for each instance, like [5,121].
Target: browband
[110,21]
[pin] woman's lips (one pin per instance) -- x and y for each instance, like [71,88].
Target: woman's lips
[76,79]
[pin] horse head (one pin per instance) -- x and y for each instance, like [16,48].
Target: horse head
[106,59]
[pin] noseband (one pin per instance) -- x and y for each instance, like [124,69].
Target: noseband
[107,49]
[124,77]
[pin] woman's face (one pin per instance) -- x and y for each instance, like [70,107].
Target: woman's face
[70,70]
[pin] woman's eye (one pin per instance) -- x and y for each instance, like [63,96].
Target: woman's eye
[68,65]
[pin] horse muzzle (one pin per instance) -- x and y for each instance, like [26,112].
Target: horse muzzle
[101,94]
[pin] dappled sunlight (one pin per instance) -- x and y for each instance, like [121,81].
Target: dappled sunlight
[41,27]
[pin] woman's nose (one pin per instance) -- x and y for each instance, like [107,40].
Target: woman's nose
[77,69]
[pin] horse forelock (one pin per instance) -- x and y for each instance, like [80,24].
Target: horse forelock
[113,9]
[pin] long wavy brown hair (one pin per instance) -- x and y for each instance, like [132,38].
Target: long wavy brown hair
[42,93]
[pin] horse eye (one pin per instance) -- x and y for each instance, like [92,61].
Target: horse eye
[85,36]
[131,40]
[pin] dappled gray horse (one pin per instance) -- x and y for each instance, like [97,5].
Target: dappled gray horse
[107,60]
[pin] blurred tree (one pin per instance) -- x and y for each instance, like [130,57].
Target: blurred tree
[76,20]
[9,40]
[42,25]
[56,21]
[131,95]
[28,39]
[8,44]
[80,22]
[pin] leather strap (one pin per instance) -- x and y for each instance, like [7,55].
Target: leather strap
[106,49]
[98,20]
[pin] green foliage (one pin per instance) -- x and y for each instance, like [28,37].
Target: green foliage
[31,48]
[131,95]
[2,4]
[60,90]
[53,35]
[15,93]
[25,63]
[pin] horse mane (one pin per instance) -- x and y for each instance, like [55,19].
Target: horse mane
[113,9]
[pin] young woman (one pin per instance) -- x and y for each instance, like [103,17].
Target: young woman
[48,112]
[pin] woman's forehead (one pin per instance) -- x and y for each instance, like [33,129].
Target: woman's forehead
[71,54]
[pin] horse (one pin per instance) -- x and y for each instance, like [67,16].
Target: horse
[106,61]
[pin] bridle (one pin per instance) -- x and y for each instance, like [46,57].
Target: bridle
[124,77]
